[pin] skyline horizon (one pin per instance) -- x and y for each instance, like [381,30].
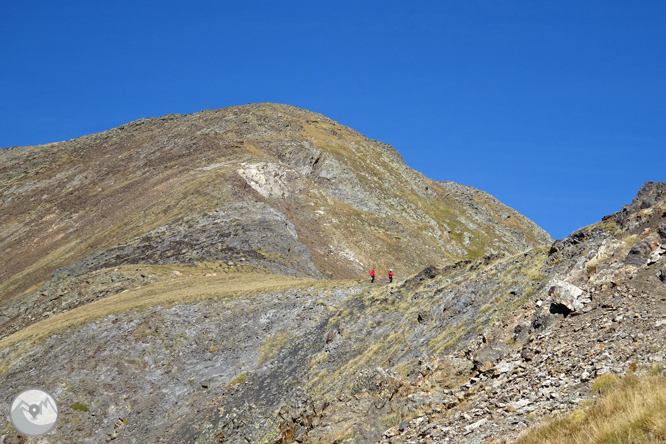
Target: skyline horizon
[396,148]
[556,109]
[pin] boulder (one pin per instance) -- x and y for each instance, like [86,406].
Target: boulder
[527,354]
[640,252]
[520,404]
[486,358]
[505,367]
[470,428]
[655,256]
[541,321]
[566,298]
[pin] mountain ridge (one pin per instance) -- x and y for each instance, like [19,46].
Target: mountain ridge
[332,183]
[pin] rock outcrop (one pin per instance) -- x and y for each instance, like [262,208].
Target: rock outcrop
[566,298]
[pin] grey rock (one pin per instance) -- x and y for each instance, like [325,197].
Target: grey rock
[521,332]
[423,317]
[470,428]
[505,367]
[486,358]
[638,254]
[253,231]
[15,438]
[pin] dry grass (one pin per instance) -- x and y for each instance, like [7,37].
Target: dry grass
[185,289]
[633,411]
[272,344]
[604,383]
[630,241]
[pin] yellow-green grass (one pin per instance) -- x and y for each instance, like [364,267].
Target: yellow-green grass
[632,410]
[272,344]
[187,288]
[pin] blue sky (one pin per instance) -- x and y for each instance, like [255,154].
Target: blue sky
[556,108]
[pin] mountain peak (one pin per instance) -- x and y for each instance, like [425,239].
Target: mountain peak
[352,200]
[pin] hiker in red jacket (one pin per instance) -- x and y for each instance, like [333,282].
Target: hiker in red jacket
[372,275]
[390,275]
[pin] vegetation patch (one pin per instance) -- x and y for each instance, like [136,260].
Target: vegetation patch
[604,382]
[609,226]
[167,293]
[630,241]
[237,380]
[272,345]
[80,407]
[632,410]
[390,420]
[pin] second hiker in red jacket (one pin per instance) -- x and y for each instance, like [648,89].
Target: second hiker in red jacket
[372,275]
[390,274]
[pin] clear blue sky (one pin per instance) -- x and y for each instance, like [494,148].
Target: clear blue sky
[556,108]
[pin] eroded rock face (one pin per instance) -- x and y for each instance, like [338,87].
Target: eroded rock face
[463,351]
[271,180]
[252,233]
[550,369]
[156,373]
[649,195]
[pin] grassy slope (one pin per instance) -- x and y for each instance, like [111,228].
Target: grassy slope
[190,286]
[632,410]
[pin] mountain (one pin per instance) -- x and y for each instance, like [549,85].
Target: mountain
[476,351]
[265,187]
[195,279]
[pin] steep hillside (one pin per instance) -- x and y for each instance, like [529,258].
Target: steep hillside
[476,351]
[270,187]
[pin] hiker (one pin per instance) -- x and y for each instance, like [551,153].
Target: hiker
[372,276]
[390,274]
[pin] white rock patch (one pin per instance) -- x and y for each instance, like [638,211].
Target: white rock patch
[268,179]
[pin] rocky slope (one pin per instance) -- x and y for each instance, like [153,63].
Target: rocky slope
[601,312]
[476,351]
[178,188]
